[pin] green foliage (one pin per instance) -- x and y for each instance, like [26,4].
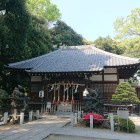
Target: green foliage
[129,26]
[3,4]
[38,39]
[23,29]
[108,44]
[64,35]
[132,47]
[128,31]
[124,93]
[14,25]
[3,98]
[87,42]
[133,81]
[44,10]
[122,123]
[24,34]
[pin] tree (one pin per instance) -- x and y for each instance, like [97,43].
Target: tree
[24,27]
[3,4]
[3,99]
[43,9]
[87,42]
[108,44]
[24,34]
[128,27]
[14,25]
[131,47]
[124,93]
[16,22]
[64,35]
[128,31]
[38,41]
[42,13]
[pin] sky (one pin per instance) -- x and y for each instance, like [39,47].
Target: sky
[94,18]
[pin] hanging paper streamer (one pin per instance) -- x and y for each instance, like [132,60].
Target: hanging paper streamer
[57,87]
[76,88]
[54,101]
[64,94]
[51,88]
[67,94]
[58,101]
[72,100]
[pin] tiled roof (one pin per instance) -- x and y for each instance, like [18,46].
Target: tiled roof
[72,59]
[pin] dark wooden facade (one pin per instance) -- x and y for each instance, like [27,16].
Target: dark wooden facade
[105,82]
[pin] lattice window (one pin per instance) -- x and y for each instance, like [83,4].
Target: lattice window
[110,88]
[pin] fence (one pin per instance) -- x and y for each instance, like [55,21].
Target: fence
[76,117]
[51,108]
[32,115]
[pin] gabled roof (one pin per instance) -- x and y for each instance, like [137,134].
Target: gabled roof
[83,58]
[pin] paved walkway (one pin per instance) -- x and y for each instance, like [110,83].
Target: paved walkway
[96,134]
[136,120]
[56,126]
[35,130]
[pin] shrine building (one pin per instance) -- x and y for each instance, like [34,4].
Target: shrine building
[65,74]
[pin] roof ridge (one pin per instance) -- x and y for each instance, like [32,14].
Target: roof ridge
[75,47]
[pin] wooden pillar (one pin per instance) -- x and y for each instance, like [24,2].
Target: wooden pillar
[45,91]
[103,85]
[30,86]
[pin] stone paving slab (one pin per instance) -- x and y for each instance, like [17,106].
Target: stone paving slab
[95,133]
[35,130]
[66,137]
[52,128]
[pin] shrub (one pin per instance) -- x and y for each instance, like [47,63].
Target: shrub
[124,93]
[97,119]
[3,98]
[123,125]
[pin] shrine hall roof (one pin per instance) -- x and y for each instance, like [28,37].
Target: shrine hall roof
[85,58]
